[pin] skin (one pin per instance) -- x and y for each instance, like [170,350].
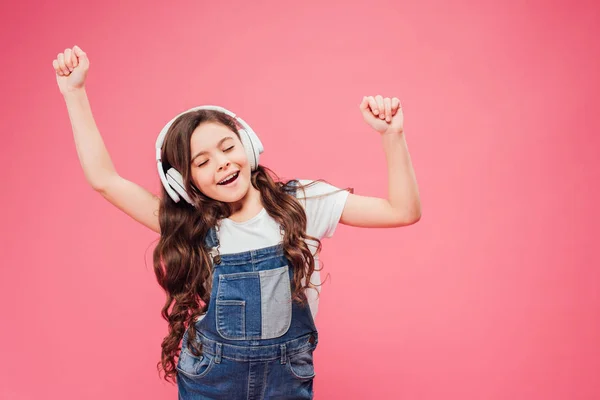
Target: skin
[216,153]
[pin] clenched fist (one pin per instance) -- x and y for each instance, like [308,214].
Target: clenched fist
[71,68]
[383,114]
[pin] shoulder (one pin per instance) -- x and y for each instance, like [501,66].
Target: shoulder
[323,204]
[312,189]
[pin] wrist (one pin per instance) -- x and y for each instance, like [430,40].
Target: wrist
[392,136]
[73,92]
[393,132]
[392,140]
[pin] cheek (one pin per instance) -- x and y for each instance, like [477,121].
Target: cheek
[203,179]
[240,157]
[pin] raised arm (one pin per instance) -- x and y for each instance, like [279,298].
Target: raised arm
[403,205]
[71,68]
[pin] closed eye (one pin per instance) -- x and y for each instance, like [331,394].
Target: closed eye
[225,150]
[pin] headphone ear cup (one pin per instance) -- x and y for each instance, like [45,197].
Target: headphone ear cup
[176,182]
[253,147]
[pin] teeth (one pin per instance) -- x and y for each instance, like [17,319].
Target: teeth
[228,177]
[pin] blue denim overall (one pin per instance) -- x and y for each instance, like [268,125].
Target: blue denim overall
[256,342]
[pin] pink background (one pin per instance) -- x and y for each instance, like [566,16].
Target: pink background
[492,295]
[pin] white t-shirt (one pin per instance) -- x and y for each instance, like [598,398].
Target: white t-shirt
[322,214]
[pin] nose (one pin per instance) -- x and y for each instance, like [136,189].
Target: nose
[224,164]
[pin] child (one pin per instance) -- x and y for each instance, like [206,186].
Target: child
[238,249]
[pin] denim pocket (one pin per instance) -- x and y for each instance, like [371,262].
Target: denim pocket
[254,305]
[231,319]
[192,366]
[301,365]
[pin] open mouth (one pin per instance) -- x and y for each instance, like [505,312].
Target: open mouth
[229,179]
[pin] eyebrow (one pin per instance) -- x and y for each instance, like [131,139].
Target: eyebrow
[218,144]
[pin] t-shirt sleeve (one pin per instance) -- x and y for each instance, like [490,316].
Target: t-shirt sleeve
[323,204]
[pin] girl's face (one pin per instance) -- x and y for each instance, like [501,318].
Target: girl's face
[219,168]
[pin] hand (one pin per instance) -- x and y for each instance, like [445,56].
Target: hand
[71,68]
[383,114]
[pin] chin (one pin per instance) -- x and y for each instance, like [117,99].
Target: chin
[232,194]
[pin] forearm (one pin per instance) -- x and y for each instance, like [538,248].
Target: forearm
[403,191]
[93,155]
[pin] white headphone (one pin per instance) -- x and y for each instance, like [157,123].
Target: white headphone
[172,180]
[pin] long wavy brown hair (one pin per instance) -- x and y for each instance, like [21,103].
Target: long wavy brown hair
[181,262]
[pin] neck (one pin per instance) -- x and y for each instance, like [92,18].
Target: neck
[247,207]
